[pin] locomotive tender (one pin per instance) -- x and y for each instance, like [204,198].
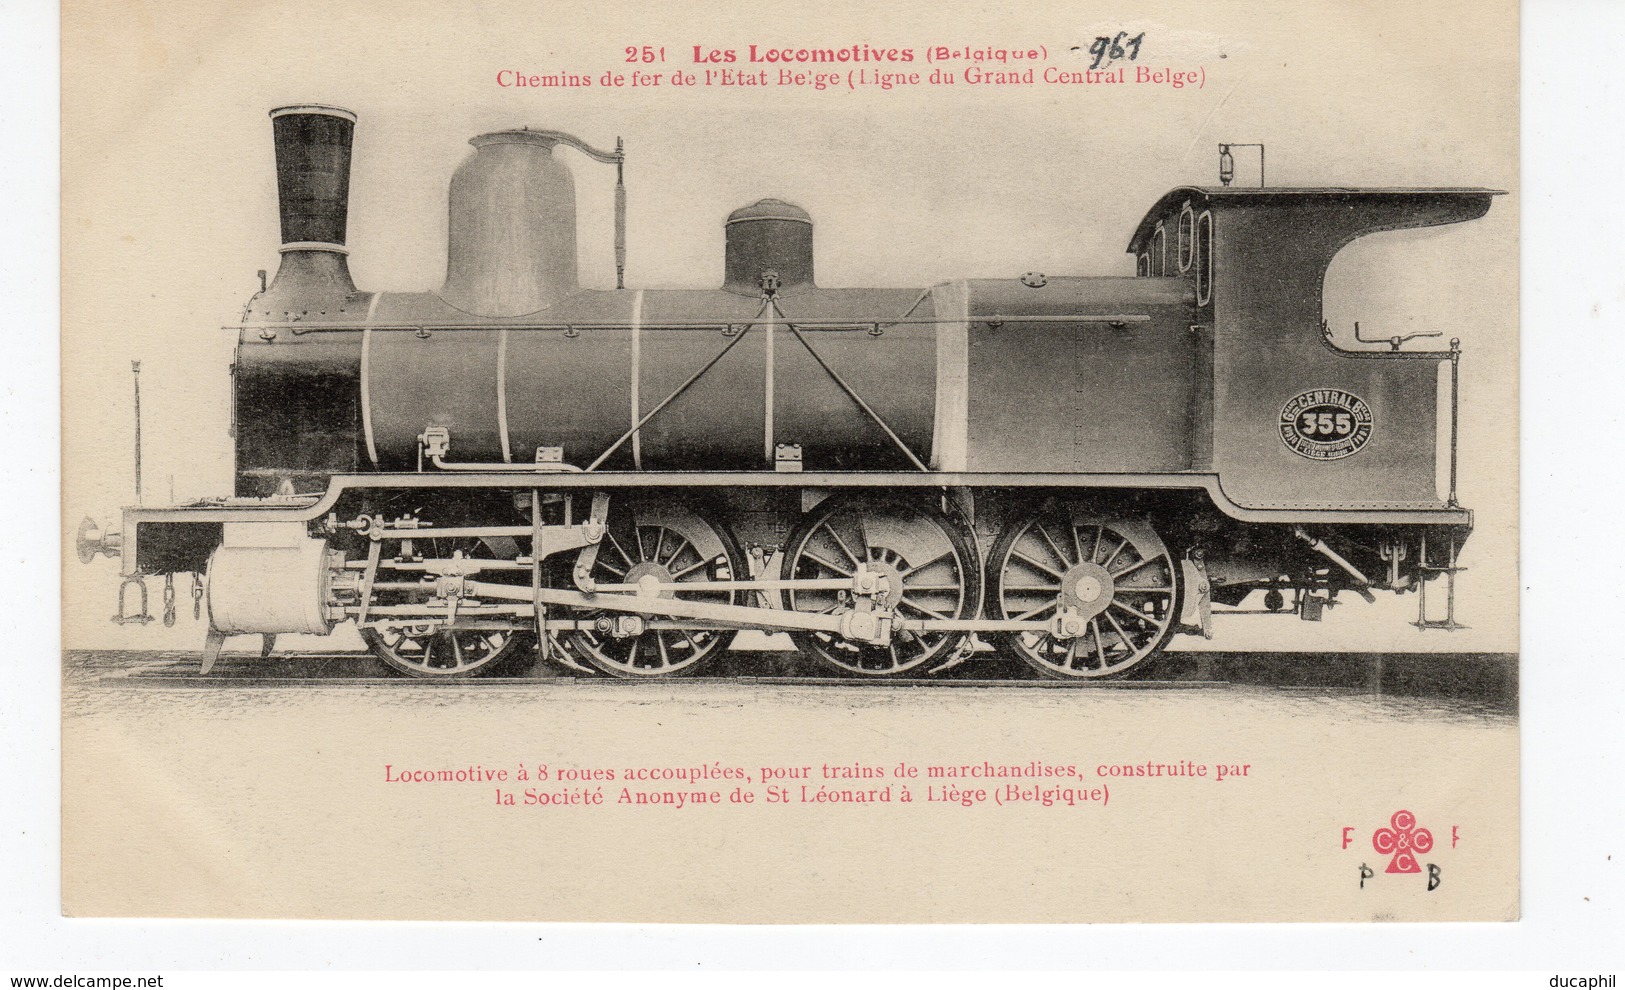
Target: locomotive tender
[1070,469]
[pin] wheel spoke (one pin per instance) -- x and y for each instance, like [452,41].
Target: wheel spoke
[928,612]
[685,572]
[456,650]
[660,641]
[863,537]
[616,545]
[1057,575]
[1035,612]
[1053,546]
[1131,610]
[1122,637]
[442,652]
[1107,563]
[682,544]
[1134,567]
[821,562]
[1100,648]
[945,555]
[840,543]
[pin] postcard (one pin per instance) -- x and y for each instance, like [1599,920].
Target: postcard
[731,464]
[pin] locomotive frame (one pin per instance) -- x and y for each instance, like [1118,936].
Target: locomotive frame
[639,560]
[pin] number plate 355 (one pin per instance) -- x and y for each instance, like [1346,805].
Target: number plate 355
[1324,424]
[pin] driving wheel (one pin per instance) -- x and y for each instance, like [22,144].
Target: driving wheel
[1113,578]
[650,545]
[927,558]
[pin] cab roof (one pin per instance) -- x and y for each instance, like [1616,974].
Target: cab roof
[1469,202]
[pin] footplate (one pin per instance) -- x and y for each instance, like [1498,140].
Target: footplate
[1449,570]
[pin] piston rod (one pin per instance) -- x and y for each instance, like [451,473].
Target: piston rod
[716,616]
[740,615]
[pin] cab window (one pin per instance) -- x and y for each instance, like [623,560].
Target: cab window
[1185,238]
[1204,258]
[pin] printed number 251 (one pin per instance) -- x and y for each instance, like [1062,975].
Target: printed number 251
[1108,50]
[1326,424]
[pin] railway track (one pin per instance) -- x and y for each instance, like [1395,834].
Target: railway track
[1484,682]
[360,669]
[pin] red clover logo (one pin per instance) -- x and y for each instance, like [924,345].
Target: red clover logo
[1404,840]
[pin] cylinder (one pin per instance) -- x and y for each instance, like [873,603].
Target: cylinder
[768,236]
[270,589]
[511,246]
[313,171]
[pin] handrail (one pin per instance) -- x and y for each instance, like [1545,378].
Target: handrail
[1392,354]
[299,328]
[1396,340]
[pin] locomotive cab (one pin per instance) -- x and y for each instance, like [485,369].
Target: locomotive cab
[1256,259]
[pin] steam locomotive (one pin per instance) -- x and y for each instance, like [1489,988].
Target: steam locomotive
[1068,469]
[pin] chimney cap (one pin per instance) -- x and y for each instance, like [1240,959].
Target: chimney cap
[315,108]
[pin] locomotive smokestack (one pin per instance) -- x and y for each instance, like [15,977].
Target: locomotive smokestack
[313,189]
[313,172]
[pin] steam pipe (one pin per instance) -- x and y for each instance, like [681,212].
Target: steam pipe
[618,159]
[540,467]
